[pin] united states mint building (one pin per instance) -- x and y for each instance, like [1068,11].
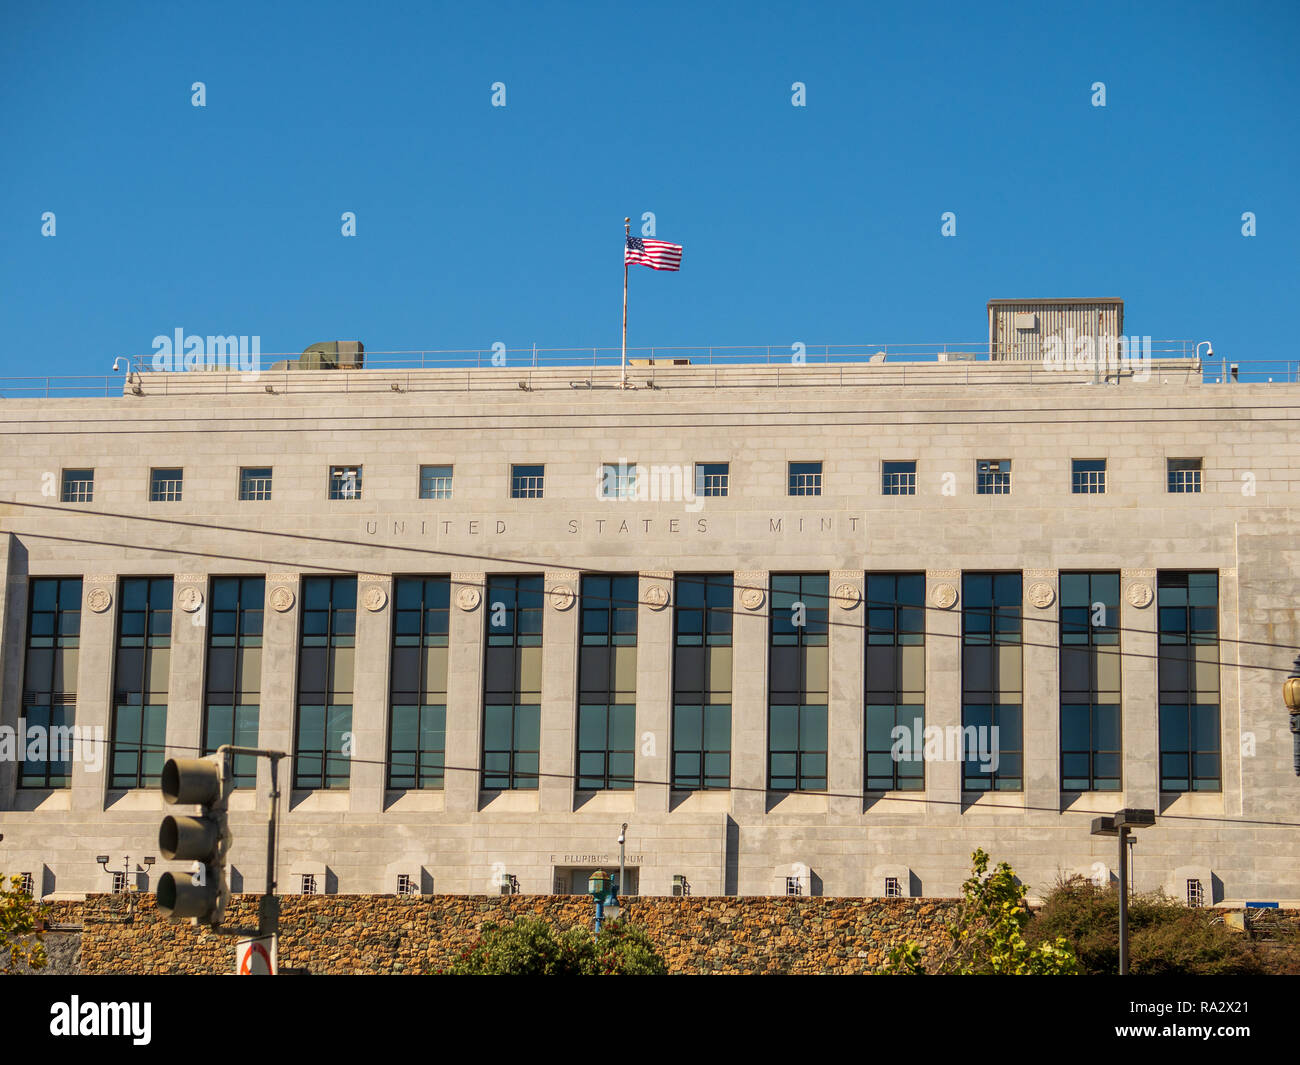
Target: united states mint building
[806,622]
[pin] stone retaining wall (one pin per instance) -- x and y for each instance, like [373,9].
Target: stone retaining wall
[340,934]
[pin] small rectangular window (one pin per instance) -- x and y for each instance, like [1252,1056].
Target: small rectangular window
[78,486]
[165,485]
[308,884]
[793,886]
[255,483]
[618,480]
[712,478]
[28,885]
[1195,894]
[805,478]
[898,478]
[1088,476]
[892,888]
[435,482]
[345,482]
[405,884]
[527,482]
[119,883]
[1184,475]
[993,477]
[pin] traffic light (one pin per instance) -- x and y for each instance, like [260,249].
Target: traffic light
[205,839]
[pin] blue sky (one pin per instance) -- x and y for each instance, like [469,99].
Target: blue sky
[478,225]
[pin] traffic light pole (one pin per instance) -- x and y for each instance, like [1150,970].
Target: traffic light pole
[268,910]
[268,913]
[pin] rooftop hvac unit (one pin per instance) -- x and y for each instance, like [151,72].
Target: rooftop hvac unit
[1027,330]
[333,355]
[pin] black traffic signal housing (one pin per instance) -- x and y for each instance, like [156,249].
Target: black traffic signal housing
[205,839]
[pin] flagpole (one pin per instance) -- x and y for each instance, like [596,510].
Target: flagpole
[627,232]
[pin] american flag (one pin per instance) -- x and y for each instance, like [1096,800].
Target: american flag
[656,254]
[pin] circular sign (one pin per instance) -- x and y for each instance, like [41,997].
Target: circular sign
[751,598]
[467,598]
[281,599]
[374,598]
[656,597]
[99,600]
[255,959]
[562,597]
[189,599]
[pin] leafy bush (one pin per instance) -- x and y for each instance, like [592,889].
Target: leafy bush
[1165,937]
[531,947]
[20,932]
[987,936]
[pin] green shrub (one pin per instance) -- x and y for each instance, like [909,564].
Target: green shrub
[21,925]
[531,947]
[1165,937]
[986,938]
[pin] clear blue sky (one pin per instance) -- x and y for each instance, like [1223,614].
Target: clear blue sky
[479,224]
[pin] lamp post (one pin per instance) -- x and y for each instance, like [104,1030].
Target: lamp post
[1120,825]
[598,888]
[1291,695]
[1132,875]
[622,867]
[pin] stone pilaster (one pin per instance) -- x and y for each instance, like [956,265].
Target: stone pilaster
[943,680]
[559,690]
[654,680]
[191,610]
[99,606]
[1140,698]
[749,695]
[13,635]
[370,692]
[1041,705]
[846,710]
[275,721]
[465,692]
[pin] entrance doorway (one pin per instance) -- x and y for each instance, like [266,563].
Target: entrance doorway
[572,881]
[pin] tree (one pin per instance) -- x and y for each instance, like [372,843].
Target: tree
[531,947]
[20,925]
[987,936]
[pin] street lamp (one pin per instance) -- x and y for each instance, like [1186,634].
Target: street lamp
[598,887]
[1120,825]
[1291,695]
[622,865]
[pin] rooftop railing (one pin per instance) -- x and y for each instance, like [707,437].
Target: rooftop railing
[829,365]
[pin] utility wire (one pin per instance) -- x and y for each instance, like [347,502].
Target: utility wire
[581,570]
[858,795]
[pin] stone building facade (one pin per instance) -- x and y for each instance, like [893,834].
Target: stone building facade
[494,614]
